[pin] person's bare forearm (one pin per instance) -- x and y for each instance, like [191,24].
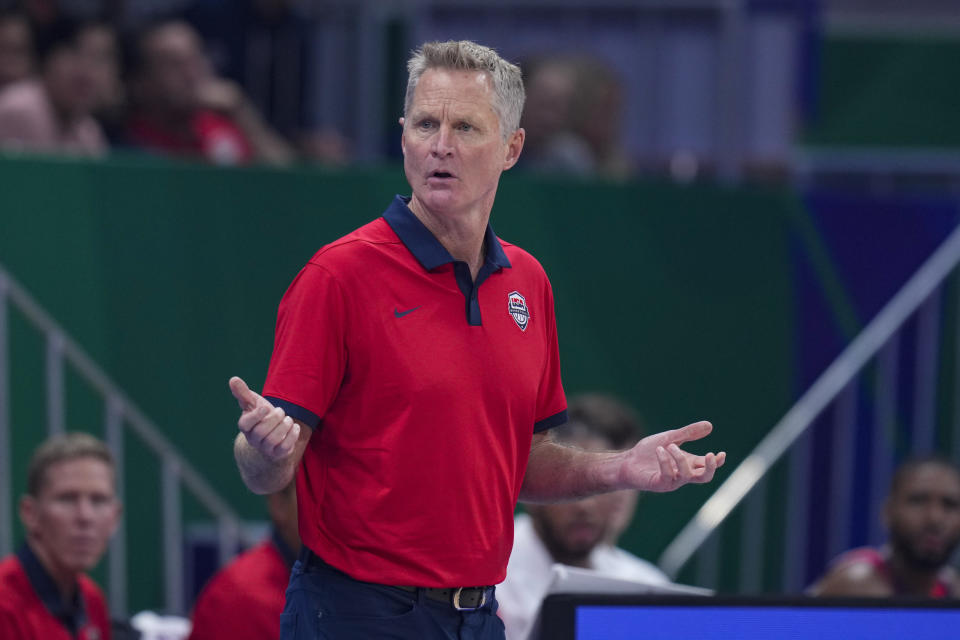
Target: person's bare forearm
[261,474]
[656,463]
[268,146]
[557,472]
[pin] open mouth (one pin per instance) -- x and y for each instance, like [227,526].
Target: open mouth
[441,174]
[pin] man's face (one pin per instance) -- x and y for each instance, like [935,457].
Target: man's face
[70,81]
[71,519]
[16,56]
[97,47]
[923,515]
[570,530]
[453,152]
[175,68]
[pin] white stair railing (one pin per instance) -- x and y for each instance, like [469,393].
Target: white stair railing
[121,415]
[878,343]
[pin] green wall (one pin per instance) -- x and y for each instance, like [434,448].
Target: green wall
[676,298]
[887,91]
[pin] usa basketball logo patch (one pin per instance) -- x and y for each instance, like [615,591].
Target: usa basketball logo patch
[517,307]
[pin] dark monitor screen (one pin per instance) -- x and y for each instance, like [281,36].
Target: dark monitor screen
[652,617]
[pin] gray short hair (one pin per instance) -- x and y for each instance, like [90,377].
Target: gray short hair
[469,56]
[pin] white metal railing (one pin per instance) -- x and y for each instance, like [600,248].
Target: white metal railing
[121,414]
[880,340]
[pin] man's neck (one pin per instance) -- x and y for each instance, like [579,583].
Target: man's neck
[462,235]
[910,578]
[65,580]
[579,560]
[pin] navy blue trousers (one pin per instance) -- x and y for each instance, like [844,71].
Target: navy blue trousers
[326,604]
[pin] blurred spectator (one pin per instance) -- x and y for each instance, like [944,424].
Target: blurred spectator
[267,46]
[69,512]
[181,108]
[620,425]
[16,47]
[551,144]
[573,118]
[245,599]
[922,515]
[596,114]
[52,113]
[575,533]
[99,46]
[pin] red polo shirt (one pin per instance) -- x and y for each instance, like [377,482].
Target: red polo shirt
[245,599]
[425,389]
[209,136]
[31,607]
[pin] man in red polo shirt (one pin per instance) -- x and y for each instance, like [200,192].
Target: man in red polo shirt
[414,378]
[244,600]
[69,513]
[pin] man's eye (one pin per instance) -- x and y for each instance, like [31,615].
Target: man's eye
[425,124]
[463,126]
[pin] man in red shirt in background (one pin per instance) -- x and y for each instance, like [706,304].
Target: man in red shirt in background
[922,515]
[69,513]
[180,107]
[245,599]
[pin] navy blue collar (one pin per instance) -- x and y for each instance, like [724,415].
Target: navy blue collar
[424,245]
[73,616]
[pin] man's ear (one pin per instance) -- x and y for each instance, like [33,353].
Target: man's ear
[28,512]
[403,143]
[117,513]
[514,147]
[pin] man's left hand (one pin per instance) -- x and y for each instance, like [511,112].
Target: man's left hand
[657,463]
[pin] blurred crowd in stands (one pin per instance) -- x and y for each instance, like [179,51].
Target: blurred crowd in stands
[229,83]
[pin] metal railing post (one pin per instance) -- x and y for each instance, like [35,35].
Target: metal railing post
[228,534]
[753,540]
[843,461]
[6,476]
[884,434]
[117,560]
[925,378]
[172,537]
[55,388]
[798,514]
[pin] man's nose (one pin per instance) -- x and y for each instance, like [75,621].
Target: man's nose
[443,142]
[935,514]
[85,510]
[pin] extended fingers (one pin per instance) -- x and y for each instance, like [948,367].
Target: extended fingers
[691,432]
[711,462]
[683,461]
[668,466]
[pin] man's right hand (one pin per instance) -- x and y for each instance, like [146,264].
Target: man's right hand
[267,428]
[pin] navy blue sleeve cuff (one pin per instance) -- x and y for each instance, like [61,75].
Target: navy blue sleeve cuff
[309,418]
[555,420]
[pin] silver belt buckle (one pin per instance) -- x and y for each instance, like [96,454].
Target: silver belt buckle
[456,600]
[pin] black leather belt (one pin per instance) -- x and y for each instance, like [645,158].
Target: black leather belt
[460,598]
